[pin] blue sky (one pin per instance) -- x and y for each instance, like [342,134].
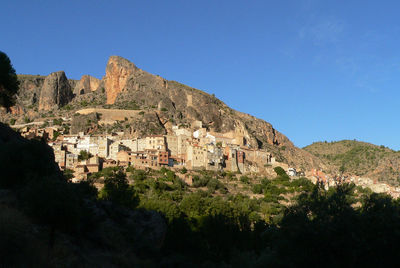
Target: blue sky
[316,70]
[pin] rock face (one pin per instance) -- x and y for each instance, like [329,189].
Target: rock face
[56,92]
[160,104]
[118,71]
[87,84]
[129,87]
[29,89]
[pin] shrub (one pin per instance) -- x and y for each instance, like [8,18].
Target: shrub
[280,171]
[200,182]
[257,189]
[245,179]
[84,155]
[117,190]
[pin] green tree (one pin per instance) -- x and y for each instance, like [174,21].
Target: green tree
[9,84]
[117,190]
[84,155]
[280,171]
[183,170]
[68,174]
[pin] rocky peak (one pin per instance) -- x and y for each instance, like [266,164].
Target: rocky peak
[56,91]
[118,71]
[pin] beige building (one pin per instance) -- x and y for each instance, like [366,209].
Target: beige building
[155,142]
[71,161]
[104,147]
[172,144]
[196,156]
[182,131]
[115,148]
[183,143]
[59,155]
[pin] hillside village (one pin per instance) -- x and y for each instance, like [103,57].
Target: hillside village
[133,118]
[194,148]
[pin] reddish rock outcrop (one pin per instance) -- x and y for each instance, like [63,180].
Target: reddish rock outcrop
[118,71]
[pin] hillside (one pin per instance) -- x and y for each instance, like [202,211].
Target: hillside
[160,103]
[358,158]
[162,218]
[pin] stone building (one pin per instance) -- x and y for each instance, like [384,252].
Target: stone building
[196,156]
[115,148]
[59,155]
[172,144]
[215,158]
[71,160]
[104,147]
[155,142]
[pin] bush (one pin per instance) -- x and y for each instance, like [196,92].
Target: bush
[280,171]
[245,179]
[117,190]
[200,182]
[257,189]
[58,121]
[84,155]
[138,175]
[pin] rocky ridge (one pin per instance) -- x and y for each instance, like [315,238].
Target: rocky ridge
[56,91]
[358,158]
[162,103]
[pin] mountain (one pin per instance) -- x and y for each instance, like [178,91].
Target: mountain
[359,158]
[160,104]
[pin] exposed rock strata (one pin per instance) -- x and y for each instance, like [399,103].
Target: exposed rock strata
[162,104]
[56,91]
[87,84]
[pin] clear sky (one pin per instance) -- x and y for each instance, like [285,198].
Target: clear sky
[316,70]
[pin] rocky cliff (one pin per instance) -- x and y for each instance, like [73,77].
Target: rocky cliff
[87,84]
[56,91]
[162,104]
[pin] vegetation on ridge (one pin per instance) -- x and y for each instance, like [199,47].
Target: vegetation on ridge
[359,158]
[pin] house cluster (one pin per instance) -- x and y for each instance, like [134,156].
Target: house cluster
[187,148]
[48,133]
[374,185]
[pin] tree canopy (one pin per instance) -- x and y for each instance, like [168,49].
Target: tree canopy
[9,84]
